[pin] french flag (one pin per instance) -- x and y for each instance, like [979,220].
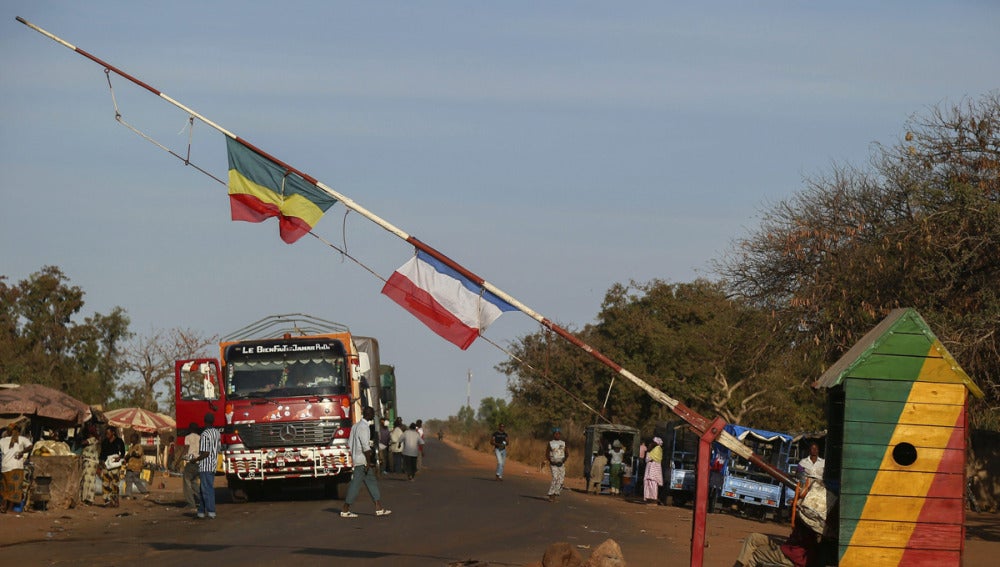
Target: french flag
[452,305]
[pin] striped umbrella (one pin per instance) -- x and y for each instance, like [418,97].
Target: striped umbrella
[139,419]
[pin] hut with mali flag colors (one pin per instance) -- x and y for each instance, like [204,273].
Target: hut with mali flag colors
[896,447]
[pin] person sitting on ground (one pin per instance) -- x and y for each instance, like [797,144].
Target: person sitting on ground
[797,551]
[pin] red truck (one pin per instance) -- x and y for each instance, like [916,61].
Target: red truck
[288,389]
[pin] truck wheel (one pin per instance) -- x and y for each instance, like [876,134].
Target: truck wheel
[714,506]
[335,489]
[238,491]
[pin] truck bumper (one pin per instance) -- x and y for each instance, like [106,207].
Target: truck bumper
[279,463]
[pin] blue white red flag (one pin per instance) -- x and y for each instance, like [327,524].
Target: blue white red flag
[453,306]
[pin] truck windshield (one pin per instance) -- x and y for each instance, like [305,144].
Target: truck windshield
[275,371]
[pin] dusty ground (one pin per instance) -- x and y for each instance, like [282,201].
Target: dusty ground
[670,525]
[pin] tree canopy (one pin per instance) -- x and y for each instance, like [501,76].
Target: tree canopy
[99,360]
[688,340]
[42,341]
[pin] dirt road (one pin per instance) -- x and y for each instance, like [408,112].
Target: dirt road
[453,512]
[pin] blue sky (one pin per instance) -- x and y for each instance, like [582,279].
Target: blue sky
[553,148]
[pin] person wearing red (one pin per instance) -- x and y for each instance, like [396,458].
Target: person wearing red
[796,551]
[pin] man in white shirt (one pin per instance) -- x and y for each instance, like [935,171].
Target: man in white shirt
[362,453]
[192,480]
[813,465]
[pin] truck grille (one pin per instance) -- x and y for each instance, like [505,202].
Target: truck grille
[288,433]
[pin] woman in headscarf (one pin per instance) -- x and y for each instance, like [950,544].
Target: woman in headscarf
[653,479]
[91,479]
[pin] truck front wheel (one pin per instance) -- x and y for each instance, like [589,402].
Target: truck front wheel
[238,490]
[336,488]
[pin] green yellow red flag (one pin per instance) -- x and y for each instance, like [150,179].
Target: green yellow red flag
[260,189]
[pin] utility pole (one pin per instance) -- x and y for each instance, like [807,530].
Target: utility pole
[468,390]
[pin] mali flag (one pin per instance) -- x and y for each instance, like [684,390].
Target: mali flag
[259,189]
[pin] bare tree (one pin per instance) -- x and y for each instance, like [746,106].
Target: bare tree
[918,228]
[150,359]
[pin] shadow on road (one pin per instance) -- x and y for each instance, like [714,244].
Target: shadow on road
[320,551]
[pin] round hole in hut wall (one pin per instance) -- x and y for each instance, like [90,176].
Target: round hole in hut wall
[904,454]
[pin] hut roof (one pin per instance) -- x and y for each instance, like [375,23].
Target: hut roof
[905,339]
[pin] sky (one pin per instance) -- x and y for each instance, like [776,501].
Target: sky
[553,148]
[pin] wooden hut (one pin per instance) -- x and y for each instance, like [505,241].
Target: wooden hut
[897,446]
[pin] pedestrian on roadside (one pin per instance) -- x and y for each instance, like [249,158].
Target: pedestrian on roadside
[500,441]
[90,455]
[595,476]
[15,449]
[208,461]
[412,445]
[640,466]
[396,445]
[190,474]
[362,453]
[420,455]
[653,479]
[616,460]
[135,459]
[111,461]
[383,445]
[556,455]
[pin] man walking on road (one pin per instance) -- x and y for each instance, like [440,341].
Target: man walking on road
[412,445]
[500,448]
[556,454]
[362,454]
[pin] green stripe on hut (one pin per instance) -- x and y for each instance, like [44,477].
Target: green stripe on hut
[897,446]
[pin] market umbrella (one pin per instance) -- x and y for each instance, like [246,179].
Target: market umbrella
[139,419]
[35,400]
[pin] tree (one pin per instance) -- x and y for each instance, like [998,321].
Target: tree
[40,342]
[553,378]
[493,412]
[919,228]
[690,341]
[150,359]
[466,419]
[714,353]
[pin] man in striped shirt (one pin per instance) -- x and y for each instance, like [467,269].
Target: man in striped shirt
[208,459]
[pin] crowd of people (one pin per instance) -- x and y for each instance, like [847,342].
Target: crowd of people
[107,462]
